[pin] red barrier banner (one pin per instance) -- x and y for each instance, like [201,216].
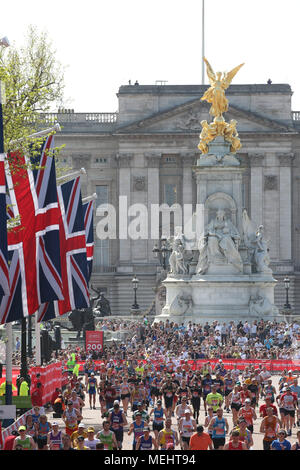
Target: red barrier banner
[94,341]
[51,378]
[271,365]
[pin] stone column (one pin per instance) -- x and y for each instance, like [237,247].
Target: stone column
[124,163]
[201,198]
[237,194]
[256,197]
[285,205]
[152,161]
[188,160]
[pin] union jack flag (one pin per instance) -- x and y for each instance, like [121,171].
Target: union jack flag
[4,276]
[34,255]
[73,254]
[88,212]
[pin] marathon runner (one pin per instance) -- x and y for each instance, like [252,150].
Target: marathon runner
[168,438]
[248,413]
[235,443]
[186,427]
[269,427]
[117,421]
[158,419]
[91,389]
[137,428]
[146,441]
[219,427]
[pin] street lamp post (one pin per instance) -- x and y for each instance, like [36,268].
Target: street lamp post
[135,283]
[286,281]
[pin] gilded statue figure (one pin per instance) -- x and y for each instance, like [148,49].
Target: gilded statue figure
[232,136]
[216,92]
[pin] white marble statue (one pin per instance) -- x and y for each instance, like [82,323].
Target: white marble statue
[177,243]
[176,260]
[220,244]
[260,305]
[257,245]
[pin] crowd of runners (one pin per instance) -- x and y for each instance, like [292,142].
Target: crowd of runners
[146,389]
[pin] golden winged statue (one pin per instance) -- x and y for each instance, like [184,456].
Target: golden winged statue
[216,92]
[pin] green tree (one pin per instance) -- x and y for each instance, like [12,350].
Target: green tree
[33,84]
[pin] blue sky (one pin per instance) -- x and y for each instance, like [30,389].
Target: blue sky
[104,43]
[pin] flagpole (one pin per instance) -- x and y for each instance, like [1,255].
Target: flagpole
[38,358]
[82,171]
[36,135]
[203,36]
[8,360]
[93,197]
[8,364]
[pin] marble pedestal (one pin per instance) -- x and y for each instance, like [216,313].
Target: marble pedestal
[216,297]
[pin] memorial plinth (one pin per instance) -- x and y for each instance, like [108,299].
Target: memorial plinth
[232,279]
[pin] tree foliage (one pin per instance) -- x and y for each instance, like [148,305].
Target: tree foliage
[33,83]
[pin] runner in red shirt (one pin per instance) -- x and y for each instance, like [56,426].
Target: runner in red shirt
[263,408]
[235,443]
[248,413]
[288,403]
[245,393]
[37,395]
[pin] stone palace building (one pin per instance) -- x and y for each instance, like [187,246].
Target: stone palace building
[146,151]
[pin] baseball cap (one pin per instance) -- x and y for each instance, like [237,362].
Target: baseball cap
[159,402]
[54,423]
[22,428]
[91,430]
[92,373]
[247,400]
[81,425]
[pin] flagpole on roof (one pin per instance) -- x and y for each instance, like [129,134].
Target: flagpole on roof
[203,38]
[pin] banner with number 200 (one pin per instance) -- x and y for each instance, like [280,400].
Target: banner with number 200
[94,341]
